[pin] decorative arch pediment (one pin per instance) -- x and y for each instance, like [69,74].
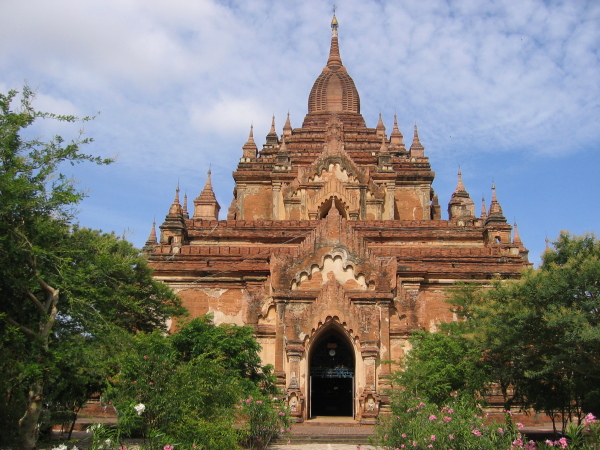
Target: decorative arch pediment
[332,252]
[337,264]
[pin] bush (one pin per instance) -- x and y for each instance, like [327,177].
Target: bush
[458,424]
[183,402]
[263,419]
[183,390]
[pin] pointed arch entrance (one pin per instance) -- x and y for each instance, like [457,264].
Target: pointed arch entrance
[332,366]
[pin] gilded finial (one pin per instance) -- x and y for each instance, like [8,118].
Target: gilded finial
[334,20]
[335,61]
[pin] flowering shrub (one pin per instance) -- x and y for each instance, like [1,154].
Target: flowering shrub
[176,402]
[264,419]
[585,436]
[181,390]
[458,424]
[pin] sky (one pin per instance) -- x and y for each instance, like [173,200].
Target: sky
[508,91]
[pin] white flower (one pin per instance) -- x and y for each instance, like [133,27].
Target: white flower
[93,427]
[60,447]
[140,407]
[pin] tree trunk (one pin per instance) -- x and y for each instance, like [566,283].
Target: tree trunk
[28,424]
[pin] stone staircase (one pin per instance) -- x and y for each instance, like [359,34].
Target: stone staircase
[328,430]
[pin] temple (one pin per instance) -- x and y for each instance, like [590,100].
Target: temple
[333,250]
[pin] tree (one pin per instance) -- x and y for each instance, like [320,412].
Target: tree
[439,363]
[107,291]
[190,385]
[234,345]
[540,335]
[57,280]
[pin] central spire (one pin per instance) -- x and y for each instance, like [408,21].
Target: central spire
[335,60]
[334,90]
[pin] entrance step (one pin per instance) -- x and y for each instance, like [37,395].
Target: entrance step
[328,430]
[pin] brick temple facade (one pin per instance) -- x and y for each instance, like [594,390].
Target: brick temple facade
[333,249]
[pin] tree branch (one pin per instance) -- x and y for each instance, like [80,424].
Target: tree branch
[51,294]
[24,329]
[35,301]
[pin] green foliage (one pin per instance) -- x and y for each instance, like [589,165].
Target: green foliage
[37,203]
[439,363]
[13,401]
[457,422]
[234,345]
[35,209]
[189,385]
[176,395]
[108,284]
[64,290]
[264,419]
[539,336]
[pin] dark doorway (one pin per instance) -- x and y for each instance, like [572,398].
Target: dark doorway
[332,376]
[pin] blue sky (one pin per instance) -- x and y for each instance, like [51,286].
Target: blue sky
[507,90]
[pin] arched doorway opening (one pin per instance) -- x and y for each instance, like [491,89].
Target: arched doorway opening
[332,367]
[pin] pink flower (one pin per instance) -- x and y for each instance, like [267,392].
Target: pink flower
[517,443]
[249,400]
[476,432]
[563,442]
[403,435]
[447,419]
[168,447]
[151,383]
[259,402]
[432,417]
[451,436]
[588,419]
[432,437]
[500,430]
[520,425]
[145,357]
[549,443]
